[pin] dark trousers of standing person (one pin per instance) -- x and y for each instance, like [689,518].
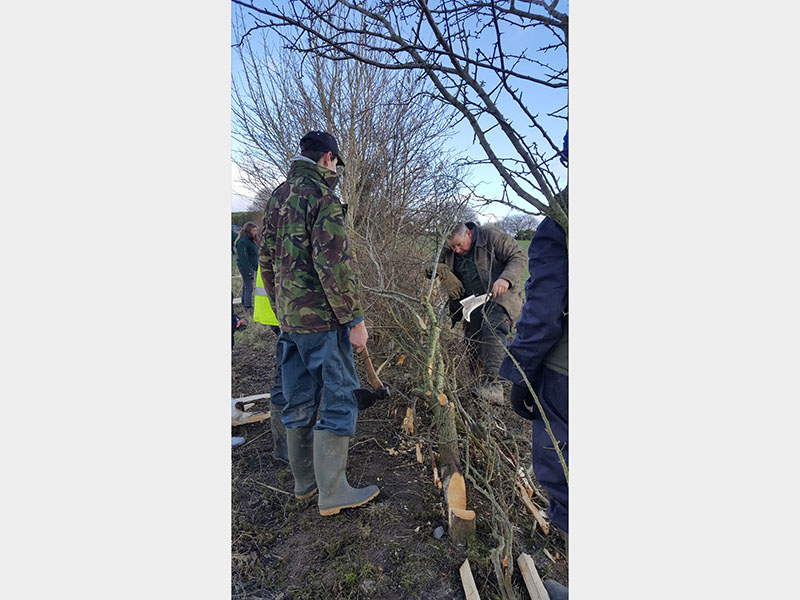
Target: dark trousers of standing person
[486,334]
[248,284]
[234,320]
[553,391]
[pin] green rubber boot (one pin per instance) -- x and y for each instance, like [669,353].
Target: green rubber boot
[279,450]
[330,463]
[300,443]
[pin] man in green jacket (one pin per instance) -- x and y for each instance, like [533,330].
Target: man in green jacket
[247,262]
[307,271]
[485,260]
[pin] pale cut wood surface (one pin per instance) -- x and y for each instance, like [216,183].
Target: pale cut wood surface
[535,511]
[252,398]
[470,589]
[533,582]
[252,419]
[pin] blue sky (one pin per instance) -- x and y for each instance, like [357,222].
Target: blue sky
[538,99]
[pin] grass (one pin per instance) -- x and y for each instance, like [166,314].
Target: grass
[525,244]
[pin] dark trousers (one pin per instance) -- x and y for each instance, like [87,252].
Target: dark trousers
[248,283]
[486,334]
[553,391]
[234,320]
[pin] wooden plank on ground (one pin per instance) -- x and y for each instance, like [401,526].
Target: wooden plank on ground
[245,403]
[252,398]
[251,419]
[470,589]
[531,577]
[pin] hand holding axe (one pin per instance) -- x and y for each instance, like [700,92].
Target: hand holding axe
[367,397]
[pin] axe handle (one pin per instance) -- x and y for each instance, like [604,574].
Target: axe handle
[372,376]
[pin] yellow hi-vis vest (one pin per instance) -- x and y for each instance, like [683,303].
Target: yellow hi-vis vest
[262,311]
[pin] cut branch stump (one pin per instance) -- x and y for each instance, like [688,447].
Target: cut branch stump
[460,521]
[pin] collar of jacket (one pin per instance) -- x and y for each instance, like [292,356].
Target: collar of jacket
[477,238]
[302,166]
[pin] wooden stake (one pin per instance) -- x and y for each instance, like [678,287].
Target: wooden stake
[470,589]
[251,419]
[531,577]
[254,398]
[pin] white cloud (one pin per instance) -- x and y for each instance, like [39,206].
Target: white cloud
[239,204]
[240,195]
[486,218]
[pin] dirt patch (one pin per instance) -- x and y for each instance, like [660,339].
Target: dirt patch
[282,548]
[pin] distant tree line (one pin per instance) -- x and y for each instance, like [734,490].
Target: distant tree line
[240,218]
[522,226]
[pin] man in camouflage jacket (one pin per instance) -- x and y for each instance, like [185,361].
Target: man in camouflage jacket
[307,270]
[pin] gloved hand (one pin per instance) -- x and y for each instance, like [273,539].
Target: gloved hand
[522,402]
[450,283]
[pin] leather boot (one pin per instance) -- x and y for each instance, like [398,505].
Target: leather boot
[279,450]
[300,443]
[330,463]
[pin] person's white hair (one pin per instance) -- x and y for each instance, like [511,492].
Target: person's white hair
[460,229]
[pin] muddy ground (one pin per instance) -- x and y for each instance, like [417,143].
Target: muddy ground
[282,548]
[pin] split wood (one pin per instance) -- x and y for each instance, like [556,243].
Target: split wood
[536,514]
[254,398]
[470,589]
[531,577]
[251,419]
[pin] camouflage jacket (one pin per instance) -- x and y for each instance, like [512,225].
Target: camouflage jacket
[305,258]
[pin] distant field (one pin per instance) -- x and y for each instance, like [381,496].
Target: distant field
[524,245]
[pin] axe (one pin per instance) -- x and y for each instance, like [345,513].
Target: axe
[471,303]
[366,397]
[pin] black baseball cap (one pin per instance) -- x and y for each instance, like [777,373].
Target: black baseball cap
[321,141]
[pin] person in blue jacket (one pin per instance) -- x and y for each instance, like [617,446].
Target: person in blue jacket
[541,349]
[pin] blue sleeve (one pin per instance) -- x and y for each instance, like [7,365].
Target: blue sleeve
[546,301]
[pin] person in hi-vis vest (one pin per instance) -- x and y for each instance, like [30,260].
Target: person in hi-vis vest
[263,313]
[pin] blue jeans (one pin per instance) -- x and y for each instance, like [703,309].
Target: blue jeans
[319,374]
[248,284]
[553,391]
[276,391]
